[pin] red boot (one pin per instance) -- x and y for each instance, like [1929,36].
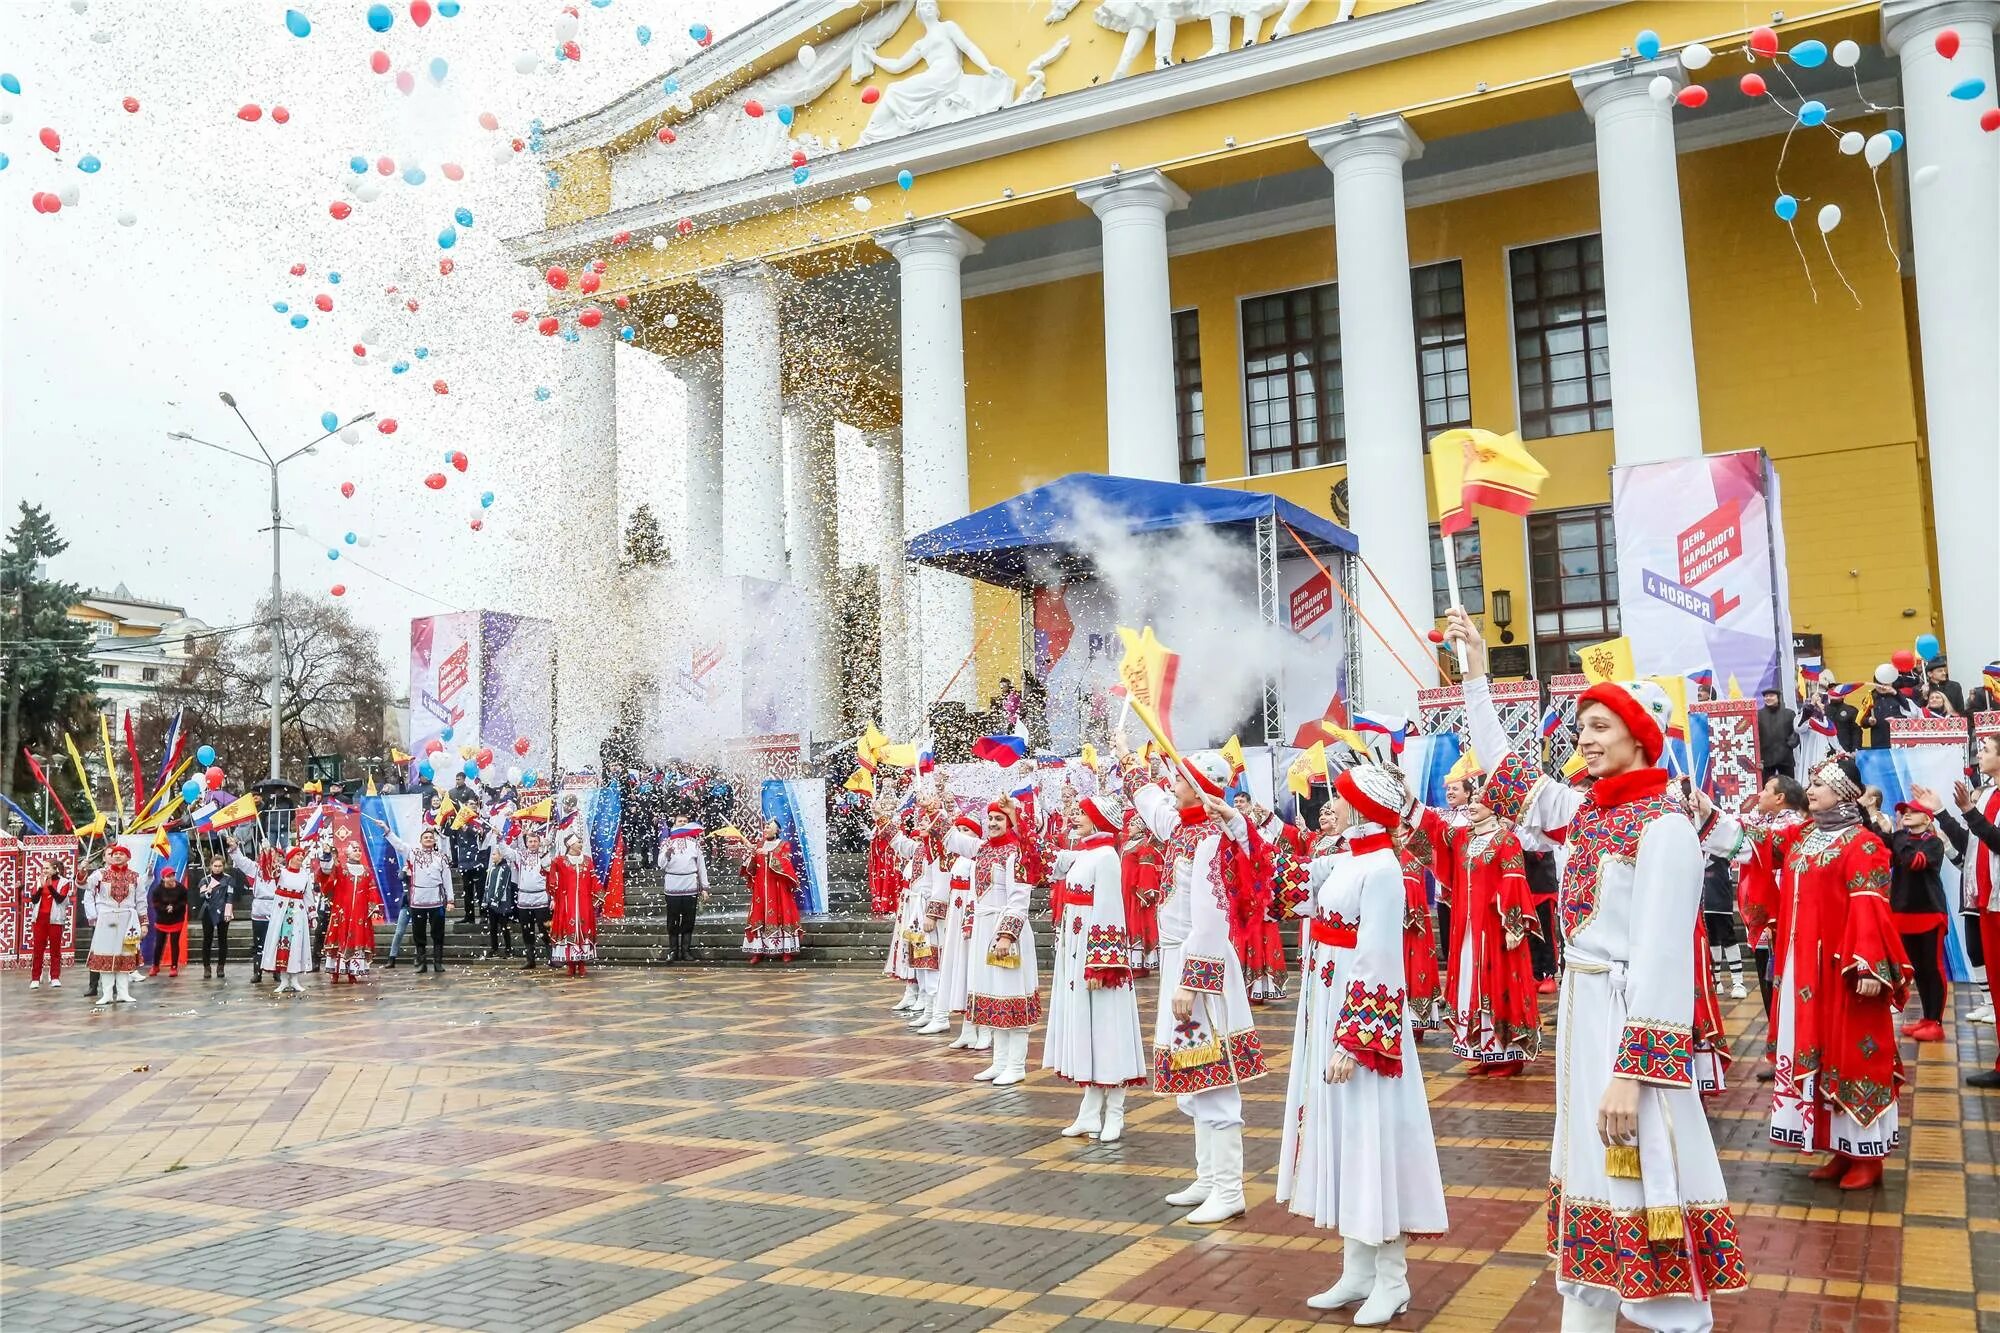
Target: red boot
[1548,986]
[756,958]
[1864,1174]
[1928,1030]
[1831,1169]
[1508,1069]
[1476,1070]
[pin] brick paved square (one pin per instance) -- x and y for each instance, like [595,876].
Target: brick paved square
[638,1163]
[502,1291]
[270,1264]
[772,1308]
[578,1113]
[79,1231]
[866,1096]
[972,1253]
[696,1088]
[834,1177]
[449,1147]
[755,1125]
[59,1313]
[269,1188]
[678,1224]
[470,1205]
[541,1079]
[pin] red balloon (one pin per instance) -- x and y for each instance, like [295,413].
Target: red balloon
[410,305]
[445,266]
[420,12]
[360,349]
[870,96]
[1946,43]
[591,282]
[518,145]
[459,460]
[1903,660]
[798,157]
[340,208]
[379,62]
[45,202]
[621,238]
[250,111]
[1752,85]
[685,226]
[622,301]
[433,746]
[405,81]
[557,276]
[1692,96]
[488,121]
[1435,636]
[130,104]
[452,171]
[214,776]
[522,745]
[1989,119]
[298,270]
[323,301]
[485,758]
[51,140]
[435,481]
[572,51]
[1763,41]
[385,165]
[591,317]
[478,523]
[666,135]
[339,590]
[280,115]
[548,325]
[347,490]
[753,108]
[387,425]
[440,388]
[520,317]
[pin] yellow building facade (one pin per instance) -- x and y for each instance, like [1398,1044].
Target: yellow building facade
[1145,275]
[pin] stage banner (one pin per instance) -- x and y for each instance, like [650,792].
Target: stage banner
[24,863]
[1700,545]
[1315,673]
[517,663]
[1925,752]
[444,685]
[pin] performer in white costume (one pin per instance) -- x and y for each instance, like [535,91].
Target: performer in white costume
[288,950]
[1357,1153]
[1000,972]
[961,844]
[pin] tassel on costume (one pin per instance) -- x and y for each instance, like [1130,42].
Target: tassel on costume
[1621,1161]
[1665,1224]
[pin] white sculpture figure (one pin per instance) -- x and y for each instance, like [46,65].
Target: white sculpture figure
[1137,18]
[942,92]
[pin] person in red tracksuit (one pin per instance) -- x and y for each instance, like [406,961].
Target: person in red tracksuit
[50,903]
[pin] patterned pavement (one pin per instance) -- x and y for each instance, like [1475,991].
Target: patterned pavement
[734,1150]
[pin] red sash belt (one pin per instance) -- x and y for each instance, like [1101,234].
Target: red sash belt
[1335,932]
[1075,897]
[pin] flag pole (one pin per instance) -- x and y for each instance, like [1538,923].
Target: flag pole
[1451,580]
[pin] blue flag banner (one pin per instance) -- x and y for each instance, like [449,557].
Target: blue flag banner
[1898,769]
[382,858]
[607,811]
[28,825]
[780,804]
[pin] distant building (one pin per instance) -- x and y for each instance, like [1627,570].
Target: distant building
[140,645]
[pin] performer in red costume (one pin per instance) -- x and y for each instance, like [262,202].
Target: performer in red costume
[885,876]
[51,908]
[350,924]
[1142,875]
[572,918]
[772,875]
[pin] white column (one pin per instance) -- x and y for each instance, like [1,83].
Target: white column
[701,376]
[1655,412]
[898,709]
[1383,402]
[814,508]
[588,531]
[1141,432]
[1955,235]
[753,423]
[936,484]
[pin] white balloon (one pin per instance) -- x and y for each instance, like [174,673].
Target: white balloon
[68,194]
[6,118]
[501,152]
[101,37]
[368,191]
[525,62]
[369,336]
[672,321]
[348,435]
[1695,56]
[1879,148]
[1847,54]
[1852,142]
[79,5]
[1885,674]
[1829,218]
[660,242]
[565,27]
[807,55]
[1662,88]
[127,218]
[1925,175]
[684,104]
[513,774]
[363,539]
[862,203]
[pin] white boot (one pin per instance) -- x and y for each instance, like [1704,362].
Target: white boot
[1225,1200]
[125,988]
[935,1026]
[966,1035]
[1014,1065]
[1204,1172]
[919,1015]
[1357,1277]
[1581,1318]
[938,1012]
[983,1040]
[107,989]
[996,1041]
[909,999]
[1089,1116]
[1392,1286]
[1114,1116]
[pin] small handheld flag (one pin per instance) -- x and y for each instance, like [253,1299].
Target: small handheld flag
[1610,661]
[1005,751]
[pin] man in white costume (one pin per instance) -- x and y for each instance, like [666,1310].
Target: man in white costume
[1093,1038]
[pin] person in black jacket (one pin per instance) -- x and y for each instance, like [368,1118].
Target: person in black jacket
[1777,736]
[1916,901]
[1846,719]
[214,890]
[1937,676]
[170,914]
[1892,702]
[1718,920]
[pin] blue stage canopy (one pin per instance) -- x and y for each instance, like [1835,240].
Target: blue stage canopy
[1029,540]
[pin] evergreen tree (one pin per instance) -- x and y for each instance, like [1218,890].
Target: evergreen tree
[644,546]
[44,655]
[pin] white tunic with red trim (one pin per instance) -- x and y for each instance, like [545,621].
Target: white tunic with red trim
[955,926]
[1359,1156]
[1093,1036]
[997,996]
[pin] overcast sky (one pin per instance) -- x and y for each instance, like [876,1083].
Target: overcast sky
[115,335]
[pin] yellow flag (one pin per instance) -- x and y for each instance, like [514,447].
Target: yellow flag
[1572,765]
[94,829]
[1232,750]
[729,831]
[1736,689]
[239,811]
[1676,689]
[1608,661]
[1147,672]
[445,805]
[1467,765]
[110,763]
[860,780]
[1090,756]
[898,756]
[82,778]
[541,809]
[1351,738]
[396,756]
[1310,764]
[869,748]
[466,814]
[156,818]
[1477,467]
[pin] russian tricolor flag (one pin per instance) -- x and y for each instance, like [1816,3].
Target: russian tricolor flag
[1005,751]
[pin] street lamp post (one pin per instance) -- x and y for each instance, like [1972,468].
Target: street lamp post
[276,683]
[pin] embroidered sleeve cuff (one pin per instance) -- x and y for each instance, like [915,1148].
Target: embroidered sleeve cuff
[934,912]
[1370,1028]
[1652,1053]
[1013,926]
[1202,974]
[1106,947]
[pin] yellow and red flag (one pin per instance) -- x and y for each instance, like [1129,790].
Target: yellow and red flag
[1147,674]
[1477,467]
[860,780]
[1232,750]
[1608,661]
[239,811]
[1309,765]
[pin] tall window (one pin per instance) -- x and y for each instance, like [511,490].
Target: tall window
[1291,374]
[1573,560]
[1471,574]
[107,671]
[1437,294]
[1562,349]
[1187,396]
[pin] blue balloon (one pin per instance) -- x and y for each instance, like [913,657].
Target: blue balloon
[699,32]
[4,160]
[645,34]
[799,175]
[471,769]
[541,393]
[627,333]
[438,69]
[281,306]
[399,367]
[423,352]
[553,180]
[561,54]
[1647,44]
[379,17]
[88,164]
[1808,55]
[332,554]
[190,791]
[333,276]
[445,735]
[1968,89]
[486,499]
[425,771]
[358,165]
[1812,113]
[328,421]
[463,217]
[1786,207]
[448,8]
[349,539]
[414,176]
[447,238]
[11,84]
[600,4]
[905,179]
[1895,140]
[300,321]
[297,24]
[670,87]
[528,778]
[448,453]
[205,756]
[1928,647]
[785,115]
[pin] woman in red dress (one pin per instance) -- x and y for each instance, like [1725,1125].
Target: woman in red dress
[885,878]
[572,918]
[771,872]
[1142,874]
[350,924]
